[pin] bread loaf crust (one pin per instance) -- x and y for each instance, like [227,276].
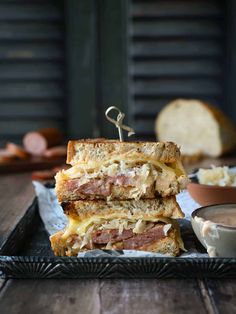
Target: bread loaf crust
[226,131]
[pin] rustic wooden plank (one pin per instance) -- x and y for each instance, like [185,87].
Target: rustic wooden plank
[175,87]
[175,8]
[51,296]
[31,65]
[112,71]
[80,15]
[176,48]
[145,108]
[31,70]
[20,127]
[148,108]
[31,109]
[17,195]
[167,59]
[145,126]
[223,295]
[30,11]
[110,296]
[31,51]
[30,31]
[178,28]
[31,90]
[2,283]
[180,68]
[206,297]
[151,296]
[230,46]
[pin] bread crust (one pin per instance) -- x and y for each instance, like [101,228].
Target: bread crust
[140,209]
[227,130]
[97,150]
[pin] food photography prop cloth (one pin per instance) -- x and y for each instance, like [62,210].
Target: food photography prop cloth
[55,220]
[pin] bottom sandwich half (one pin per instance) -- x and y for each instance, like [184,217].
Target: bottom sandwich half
[126,225]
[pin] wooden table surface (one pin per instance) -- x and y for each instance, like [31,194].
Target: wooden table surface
[100,296]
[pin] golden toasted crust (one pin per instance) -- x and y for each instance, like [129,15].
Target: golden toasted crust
[97,150]
[140,209]
[64,247]
[58,244]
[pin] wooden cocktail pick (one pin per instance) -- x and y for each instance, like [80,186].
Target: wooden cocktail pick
[119,122]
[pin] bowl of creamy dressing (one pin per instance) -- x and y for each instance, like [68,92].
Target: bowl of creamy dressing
[215,228]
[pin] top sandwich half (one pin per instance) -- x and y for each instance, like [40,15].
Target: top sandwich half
[109,169]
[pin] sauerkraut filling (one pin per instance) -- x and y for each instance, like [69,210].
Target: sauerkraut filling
[119,234]
[220,176]
[141,176]
[115,169]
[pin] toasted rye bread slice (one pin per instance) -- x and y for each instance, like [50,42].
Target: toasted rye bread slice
[98,150]
[141,209]
[66,246]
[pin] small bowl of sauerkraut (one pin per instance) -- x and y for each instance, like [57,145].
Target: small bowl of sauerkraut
[216,185]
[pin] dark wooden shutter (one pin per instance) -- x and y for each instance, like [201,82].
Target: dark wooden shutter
[175,49]
[31,66]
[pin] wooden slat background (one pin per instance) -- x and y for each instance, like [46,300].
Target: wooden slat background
[175,49]
[32,74]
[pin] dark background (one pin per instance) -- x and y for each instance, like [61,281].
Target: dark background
[62,63]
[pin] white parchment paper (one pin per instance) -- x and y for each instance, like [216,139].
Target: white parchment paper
[54,220]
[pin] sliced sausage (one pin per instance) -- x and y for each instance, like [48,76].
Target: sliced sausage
[150,236]
[129,239]
[111,235]
[97,186]
[36,143]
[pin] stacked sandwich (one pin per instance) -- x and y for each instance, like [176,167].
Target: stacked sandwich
[120,195]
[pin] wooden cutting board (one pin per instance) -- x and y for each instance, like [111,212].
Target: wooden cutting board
[31,164]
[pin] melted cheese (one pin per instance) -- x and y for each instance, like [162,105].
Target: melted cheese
[130,159]
[80,227]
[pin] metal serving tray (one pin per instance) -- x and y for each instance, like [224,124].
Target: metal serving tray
[27,254]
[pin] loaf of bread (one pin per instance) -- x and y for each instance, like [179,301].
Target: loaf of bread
[197,127]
